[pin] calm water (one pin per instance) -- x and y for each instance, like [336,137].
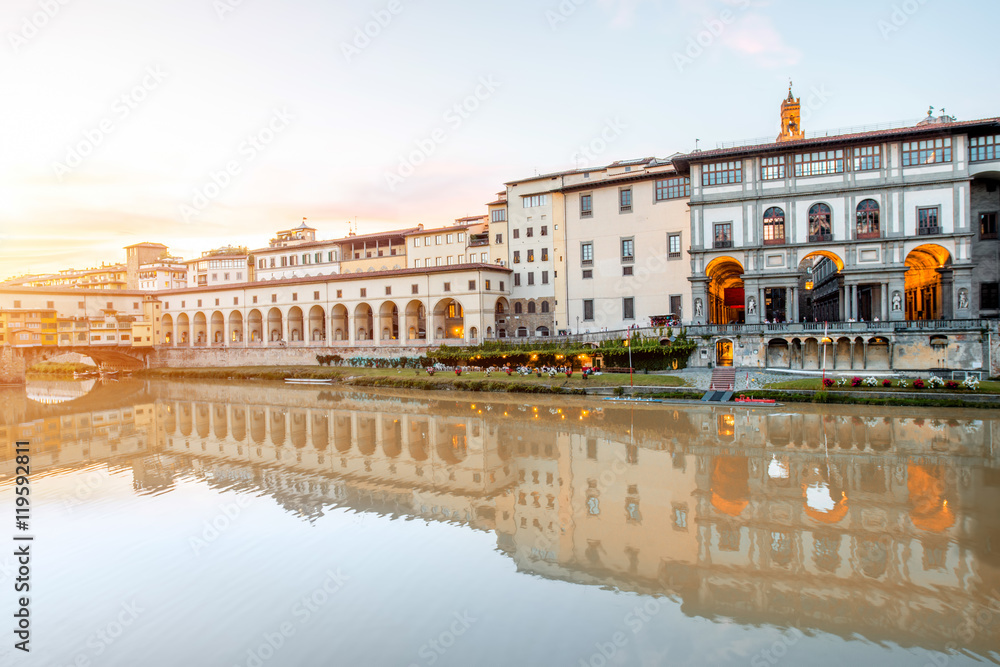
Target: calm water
[256,524]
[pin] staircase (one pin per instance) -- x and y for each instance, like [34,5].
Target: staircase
[723,379]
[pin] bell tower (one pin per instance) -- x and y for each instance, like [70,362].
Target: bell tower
[791,117]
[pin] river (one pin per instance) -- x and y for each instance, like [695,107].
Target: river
[256,524]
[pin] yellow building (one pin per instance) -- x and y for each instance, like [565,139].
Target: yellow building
[21,327]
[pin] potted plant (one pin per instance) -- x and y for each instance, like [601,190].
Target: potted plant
[430,370]
[458,371]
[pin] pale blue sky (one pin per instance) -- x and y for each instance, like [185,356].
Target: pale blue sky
[219,76]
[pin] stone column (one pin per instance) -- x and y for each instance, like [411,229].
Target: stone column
[885,302]
[794,307]
[853,304]
[948,296]
[762,312]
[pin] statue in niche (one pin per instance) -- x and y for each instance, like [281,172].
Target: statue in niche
[963,298]
[751,306]
[897,302]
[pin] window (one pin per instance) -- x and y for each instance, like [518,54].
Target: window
[627,270]
[867,158]
[487,287]
[236,300]
[983,148]
[988,225]
[517,280]
[450,238]
[437,240]
[531,255]
[255,299]
[929,151]
[819,223]
[588,273]
[414,289]
[774,226]
[625,200]
[199,303]
[534,200]
[927,221]
[586,205]
[673,188]
[272,263]
[484,257]
[530,232]
[544,230]
[628,308]
[721,173]
[724,235]
[498,215]
[318,257]
[499,240]
[628,250]
[450,260]
[501,286]
[329,256]
[216,302]
[588,310]
[340,294]
[472,285]
[531,307]
[295,297]
[545,254]
[772,168]
[587,253]
[531,277]
[82,304]
[989,296]
[447,287]
[517,256]
[545,277]
[364,292]
[673,246]
[518,308]
[819,163]
[388,290]
[868,225]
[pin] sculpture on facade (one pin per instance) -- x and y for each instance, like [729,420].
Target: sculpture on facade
[697,308]
[963,298]
[752,306]
[897,302]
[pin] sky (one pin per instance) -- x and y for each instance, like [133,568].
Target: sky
[202,123]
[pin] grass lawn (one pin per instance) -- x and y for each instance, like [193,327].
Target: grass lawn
[985,387]
[440,377]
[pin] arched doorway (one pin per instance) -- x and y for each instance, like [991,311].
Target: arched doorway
[364,322]
[168,330]
[724,353]
[295,324]
[317,324]
[236,327]
[183,329]
[725,293]
[416,320]
[388,317]
[255,324]
[924,297]
[218,327]
[340,322]
[820,292]
[449,319]
[274,333]
[200,331]
[500,311]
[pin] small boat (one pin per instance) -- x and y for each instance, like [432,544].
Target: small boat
[634,400]
[307,381]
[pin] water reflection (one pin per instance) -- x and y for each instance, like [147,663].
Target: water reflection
[838,520]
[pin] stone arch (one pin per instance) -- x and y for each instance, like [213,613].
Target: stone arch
[449,319]
[340,324]
[320,431]
[317,324]
[274,330]
[199,328]
[501,312]
[725,292]
[255,326]
[167,324]
[258,425]
[183,329]
[218,328]
[415,317]
[842,355]
[296,325]
[877,354]
[364,322]
[924,297]
[778,353]
[236,327]
[388,320]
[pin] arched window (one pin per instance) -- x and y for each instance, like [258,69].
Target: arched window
[774,226]
[531,307]
[518,309]
[868,226]
[820,227]
[545,306]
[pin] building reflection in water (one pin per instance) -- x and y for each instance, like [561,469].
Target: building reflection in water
[835,519]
